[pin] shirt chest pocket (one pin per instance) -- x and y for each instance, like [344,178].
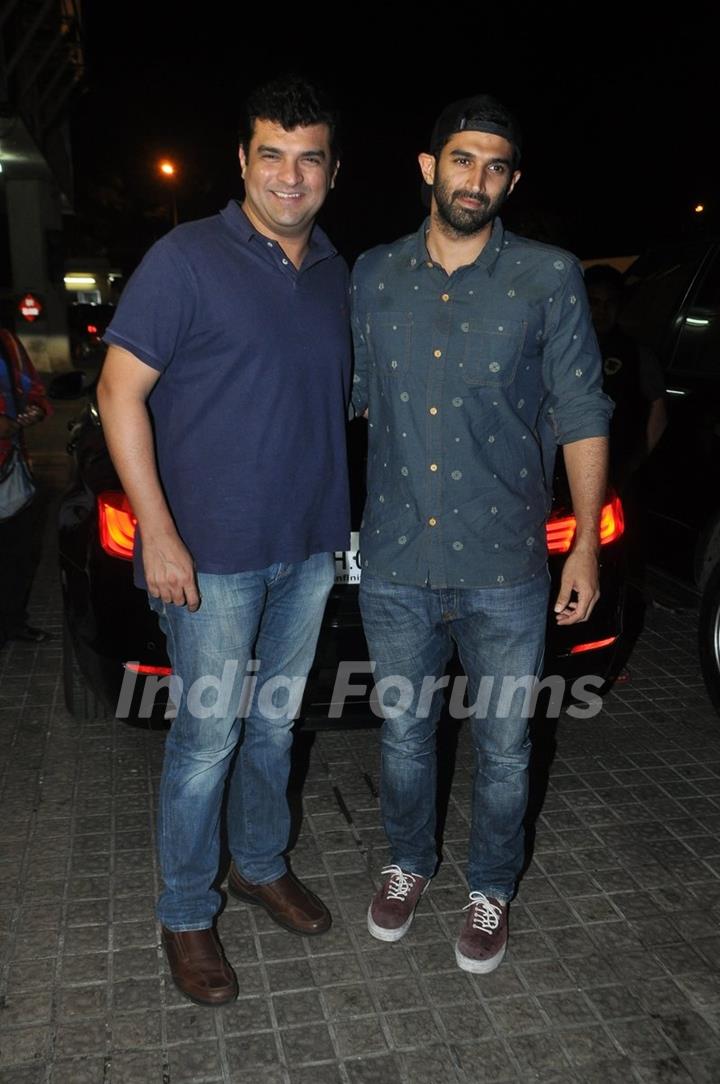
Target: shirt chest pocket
[390,338]
[492,351]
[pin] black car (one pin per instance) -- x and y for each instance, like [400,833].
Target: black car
[673,305]
[114,656]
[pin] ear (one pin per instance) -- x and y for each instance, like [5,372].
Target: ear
[515,178]
[334,174]
[427,167]
[243,160]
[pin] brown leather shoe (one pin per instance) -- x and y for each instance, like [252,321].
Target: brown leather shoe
[287,901]
[198,966]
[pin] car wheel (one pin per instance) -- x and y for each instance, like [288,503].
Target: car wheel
[80,700]
[709,637]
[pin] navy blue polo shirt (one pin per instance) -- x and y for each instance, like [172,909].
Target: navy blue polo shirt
[249,412]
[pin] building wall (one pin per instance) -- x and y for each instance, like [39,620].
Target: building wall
[34,222]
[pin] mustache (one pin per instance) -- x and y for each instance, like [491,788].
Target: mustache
[479,197]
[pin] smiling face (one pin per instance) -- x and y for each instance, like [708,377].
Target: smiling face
[287,176]
[471,179]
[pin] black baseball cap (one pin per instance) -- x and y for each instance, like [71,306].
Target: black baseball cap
[481,113]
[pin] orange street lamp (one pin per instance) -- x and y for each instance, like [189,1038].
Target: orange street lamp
[168,171]
[699,208]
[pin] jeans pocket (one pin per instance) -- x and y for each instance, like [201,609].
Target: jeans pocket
[492,352]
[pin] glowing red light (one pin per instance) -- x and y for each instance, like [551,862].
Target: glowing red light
[593,646]
[560,530]
[116,523]
[144,668]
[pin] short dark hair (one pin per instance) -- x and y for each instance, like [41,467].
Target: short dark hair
[480,113]
[603,274]
[292,102]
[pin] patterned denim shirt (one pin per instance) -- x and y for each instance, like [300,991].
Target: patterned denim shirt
[470,380]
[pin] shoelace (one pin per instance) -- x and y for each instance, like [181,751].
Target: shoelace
[487,915]
[400,884]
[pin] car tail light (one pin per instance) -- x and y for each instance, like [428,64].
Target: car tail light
[144,668]
[117,523]
[593,645]
[92,329]
[560,530]
[612,521]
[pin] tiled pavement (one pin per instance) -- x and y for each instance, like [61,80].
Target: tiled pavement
[612,969]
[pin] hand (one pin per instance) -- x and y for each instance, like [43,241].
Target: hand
[170,571]
[8,427]
[579,575]
[30,416]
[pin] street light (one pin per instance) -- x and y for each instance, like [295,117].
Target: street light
[168,171]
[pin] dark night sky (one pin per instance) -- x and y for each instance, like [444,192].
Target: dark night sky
[619,111]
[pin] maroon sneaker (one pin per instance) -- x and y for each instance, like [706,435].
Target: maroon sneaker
[483,938]
[393,906]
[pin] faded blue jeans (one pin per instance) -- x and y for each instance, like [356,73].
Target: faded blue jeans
[499,633]
[273,617]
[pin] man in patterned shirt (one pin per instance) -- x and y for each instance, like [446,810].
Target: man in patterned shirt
[475,357]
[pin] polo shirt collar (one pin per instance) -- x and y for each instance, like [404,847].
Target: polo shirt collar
[487,259]
[319,248]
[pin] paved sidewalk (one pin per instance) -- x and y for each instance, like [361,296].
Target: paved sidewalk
[612,968]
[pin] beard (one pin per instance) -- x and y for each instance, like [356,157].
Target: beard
[465,221]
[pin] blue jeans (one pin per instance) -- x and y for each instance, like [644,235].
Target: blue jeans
[499,633]
[273,617]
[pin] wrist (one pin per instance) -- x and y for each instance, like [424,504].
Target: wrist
[588,547]
[156,529]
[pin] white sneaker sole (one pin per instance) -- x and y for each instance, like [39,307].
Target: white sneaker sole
[479,967]
[382,933]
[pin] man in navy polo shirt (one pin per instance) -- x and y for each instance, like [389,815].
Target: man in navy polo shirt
[223,399]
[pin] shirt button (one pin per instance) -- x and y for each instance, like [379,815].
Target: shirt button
[432,522]
[433,466]
[437,353]
[433,410]
[445,297]
[429,263]
[284,261]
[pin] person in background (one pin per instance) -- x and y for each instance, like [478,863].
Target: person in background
[632,377]
[22,404]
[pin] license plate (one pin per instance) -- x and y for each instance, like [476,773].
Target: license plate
[347,564]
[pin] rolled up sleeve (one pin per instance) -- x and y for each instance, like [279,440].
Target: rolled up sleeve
[572,367]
